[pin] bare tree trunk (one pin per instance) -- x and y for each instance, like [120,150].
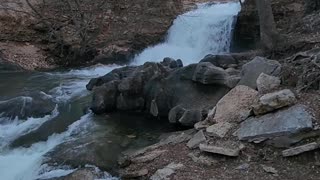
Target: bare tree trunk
[268,31]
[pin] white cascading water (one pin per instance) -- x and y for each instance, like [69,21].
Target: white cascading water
[26,163]
[206,30]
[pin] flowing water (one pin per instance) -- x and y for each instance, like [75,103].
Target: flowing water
[24,143]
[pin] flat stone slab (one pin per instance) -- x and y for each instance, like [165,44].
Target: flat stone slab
[220,150]
[219,130]
[134,174]
[300,149]
[198,138]
[163,174]
[148,157]
[285,122]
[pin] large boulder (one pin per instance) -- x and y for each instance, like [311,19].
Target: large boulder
[104,98]
[282,123]
[206,73]
[184,94]
[252,70]
[37,104]
[222,61]
[236,105]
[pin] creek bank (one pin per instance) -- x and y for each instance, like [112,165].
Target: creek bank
[253,138]
[127,28]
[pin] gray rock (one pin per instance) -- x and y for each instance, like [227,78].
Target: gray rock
[167,60]
[232,81]
[222,61]
[37,104]
[243,167]
[233,71]
[104,98]
[190,117]
[177,137]
[202,125]
[219,130]
[266,82]
[134,174]
[285,122]
[154,108]
[203,159]
[300,149]
[148,157]
[163,174]
[175,114]
[252,70]
[185,117]
[211,114]
[234,104]
[158,90]
[179,63]
[206,73]
[129,103]
[227,151]
[273,101]
[269,169]
[197,139]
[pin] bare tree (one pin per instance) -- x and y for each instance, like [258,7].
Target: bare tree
[73,25]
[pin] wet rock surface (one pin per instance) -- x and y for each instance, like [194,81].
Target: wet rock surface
[35,105]
[183,94]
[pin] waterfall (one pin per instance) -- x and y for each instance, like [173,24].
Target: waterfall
[205,30]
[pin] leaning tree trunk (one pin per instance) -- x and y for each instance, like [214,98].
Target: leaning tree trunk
[268,31]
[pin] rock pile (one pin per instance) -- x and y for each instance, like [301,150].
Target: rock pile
[245,117]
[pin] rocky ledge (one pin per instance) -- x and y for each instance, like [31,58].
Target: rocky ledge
[186,95]
[246,121]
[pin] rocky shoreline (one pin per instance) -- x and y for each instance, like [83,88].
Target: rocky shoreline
[257,127]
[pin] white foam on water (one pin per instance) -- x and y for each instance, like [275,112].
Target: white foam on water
[25,163]
[56,173]
[206,30]
[13,129]
[86,73]
[73,83]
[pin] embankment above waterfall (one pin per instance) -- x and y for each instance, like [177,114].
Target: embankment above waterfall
[51,36]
